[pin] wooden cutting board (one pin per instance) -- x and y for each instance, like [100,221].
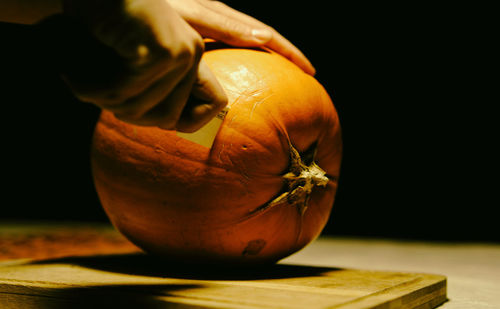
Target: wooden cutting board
[136,280]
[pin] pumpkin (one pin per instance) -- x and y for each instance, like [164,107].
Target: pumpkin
[263,191]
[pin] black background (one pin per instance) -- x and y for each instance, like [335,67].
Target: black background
[411,85]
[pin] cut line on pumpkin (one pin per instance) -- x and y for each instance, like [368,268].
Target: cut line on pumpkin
[259,102]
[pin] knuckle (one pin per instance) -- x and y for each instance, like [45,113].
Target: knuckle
[234,32]
[191,51]
[142,56]
[146,56]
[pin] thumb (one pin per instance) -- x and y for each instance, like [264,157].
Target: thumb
[207,99]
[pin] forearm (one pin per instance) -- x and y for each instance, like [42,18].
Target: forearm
[28,11]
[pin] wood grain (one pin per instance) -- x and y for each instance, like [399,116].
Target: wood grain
[139,280]
[130,279]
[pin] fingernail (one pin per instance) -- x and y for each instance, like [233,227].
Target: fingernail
[262,35]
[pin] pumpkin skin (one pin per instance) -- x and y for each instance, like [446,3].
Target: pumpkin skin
[183,201]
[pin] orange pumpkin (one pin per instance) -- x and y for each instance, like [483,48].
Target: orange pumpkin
[262,192]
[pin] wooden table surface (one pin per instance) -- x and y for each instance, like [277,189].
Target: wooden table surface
[472,269]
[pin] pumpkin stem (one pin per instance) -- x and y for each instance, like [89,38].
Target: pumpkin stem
[303,175]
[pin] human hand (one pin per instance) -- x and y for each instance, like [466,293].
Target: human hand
[216,20]
[147,70]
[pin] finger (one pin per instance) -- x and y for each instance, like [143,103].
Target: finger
[218,25]
[133,109]
[285,48]
[151,40]
[206,100]
[275,42]
[168,112]
[100,75]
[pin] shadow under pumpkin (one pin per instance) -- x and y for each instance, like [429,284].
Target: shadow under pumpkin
[151,295]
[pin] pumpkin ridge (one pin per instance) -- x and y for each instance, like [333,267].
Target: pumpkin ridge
[154,148]
[136,141]
[210,162]
[227,149]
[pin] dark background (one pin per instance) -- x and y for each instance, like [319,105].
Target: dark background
[411,85]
